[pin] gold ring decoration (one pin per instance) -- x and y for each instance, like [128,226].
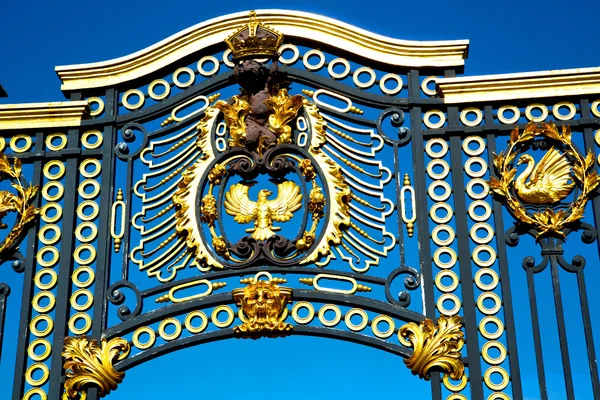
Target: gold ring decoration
[2,144]
[82,206]
[136,105]
[222,324]
[489,311]
[455,388]
[575,167]
[434,125]
[597,137]
[487,334]
[35,302]
[90,174]
[162,329]
[363,323]
[446,273]
[80,249]
[366,84]
[99,102]
[56,147]
[20,149]
[439,197]
[485,352]
[448,297]
[480,217]
[309,317]
[154,84]
[95,189]
[456,396]
[89,299]
[330,322]
[196,329]
[488,229]
[211,71]
[539,106]
[469,167]
[42,252]
[87,323]
[425,86]
[54,163]
[190,81]
[295,52]
[471,191]
[564,117]
[135,339]
[338,75]
[35,392]
[435,235]
[596,108]
[39,356]
[383,334]
[340,278]
[438,175]
[49,240]
[515,118]
[471,110]
[437,257]
[38,279]
[466,145]
[433,213]
[485,248]
[487,378]
[226,59]
[393,77]
[85,139]
[37,367]
[308,55]
[86,225]
[78,282]
[60,190]
[344,99]
[498,396]
[33,325]
[486,286]
[436,154]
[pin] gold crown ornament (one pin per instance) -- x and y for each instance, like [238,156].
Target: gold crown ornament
[254,40]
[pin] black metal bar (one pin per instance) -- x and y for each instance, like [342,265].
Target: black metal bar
[509,318]
[29,267]
[464,260]
[4,292]
[562,328]
[589,336]
[537,341]
[63,291]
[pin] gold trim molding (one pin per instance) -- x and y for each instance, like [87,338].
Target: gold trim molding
[293,24]
[42,115]
[528,85]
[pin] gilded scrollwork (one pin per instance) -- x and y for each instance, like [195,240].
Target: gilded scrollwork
[434,346]
[262,306]
[549,181]
[89,363]
[20,203]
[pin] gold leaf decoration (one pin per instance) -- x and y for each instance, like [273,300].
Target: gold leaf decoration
[434,346]
[20,203]
[552,179]
[88,363]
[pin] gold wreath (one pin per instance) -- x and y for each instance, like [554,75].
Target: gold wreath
[546,222]
[19,203]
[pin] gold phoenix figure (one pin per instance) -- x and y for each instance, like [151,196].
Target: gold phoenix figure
[548,180]
[264,211]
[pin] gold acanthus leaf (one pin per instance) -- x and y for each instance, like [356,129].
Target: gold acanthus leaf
[434,346]
[88,363]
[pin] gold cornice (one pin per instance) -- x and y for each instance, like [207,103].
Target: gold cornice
[566,82]
[42,115]
[291,23]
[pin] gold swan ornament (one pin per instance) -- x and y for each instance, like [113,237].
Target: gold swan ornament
[550,180]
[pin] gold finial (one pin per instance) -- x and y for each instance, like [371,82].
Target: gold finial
[254,40]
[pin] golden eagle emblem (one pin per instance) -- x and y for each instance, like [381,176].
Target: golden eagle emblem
[550,180]
[264,211]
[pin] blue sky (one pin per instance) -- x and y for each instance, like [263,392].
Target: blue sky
[510,36]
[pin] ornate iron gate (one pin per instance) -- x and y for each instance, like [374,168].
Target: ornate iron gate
[282,173]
